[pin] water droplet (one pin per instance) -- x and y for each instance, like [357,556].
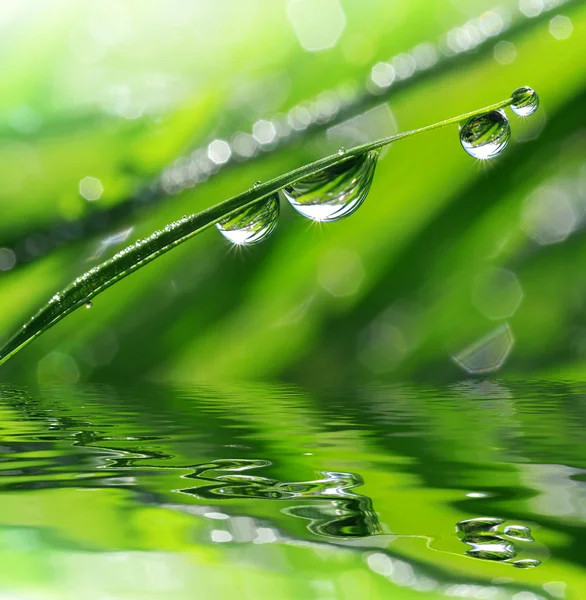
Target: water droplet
[519,532]
[490,548]
[253,224]
[480,524]
[525,101]
[88,304]
[336,192]
[486,136]
[527,563]
[256,184]
[341,151]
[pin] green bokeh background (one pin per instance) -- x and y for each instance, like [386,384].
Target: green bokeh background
[300,305]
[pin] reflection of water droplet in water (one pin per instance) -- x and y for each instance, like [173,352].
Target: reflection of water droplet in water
[336,192]
[253,224]
[525,101]
[88,304]
[519,532]
[490,548]
[478,524]
[486,136]
[488,540]
[527,563]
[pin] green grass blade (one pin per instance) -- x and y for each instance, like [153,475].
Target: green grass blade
[96,280]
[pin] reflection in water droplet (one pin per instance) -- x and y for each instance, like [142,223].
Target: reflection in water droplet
[525,101]
[486,136]
[527,563]
[519,532]
[334,193]
[253,224]
[89,304]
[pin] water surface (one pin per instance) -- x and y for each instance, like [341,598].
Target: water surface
[474,490]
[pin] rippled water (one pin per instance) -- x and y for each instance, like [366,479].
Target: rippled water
[475,490]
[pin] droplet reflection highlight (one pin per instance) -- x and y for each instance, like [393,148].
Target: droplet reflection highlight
[486,136]
[336,192]
[253,224]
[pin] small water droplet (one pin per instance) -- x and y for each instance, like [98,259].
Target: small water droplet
[486,136]
[341,151]
[253,224]
[527,563]
[525,101]
[256,184]
[336,192]
[519,532]
[88,304]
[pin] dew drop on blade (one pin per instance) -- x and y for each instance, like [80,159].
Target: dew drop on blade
[253,224]
[336,192]
[88,304]
[525,101]
[486,136]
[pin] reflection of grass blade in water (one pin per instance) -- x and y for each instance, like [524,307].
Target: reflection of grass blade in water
[134,257]
[335,509]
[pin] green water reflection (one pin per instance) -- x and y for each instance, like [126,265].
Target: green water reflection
[475,490]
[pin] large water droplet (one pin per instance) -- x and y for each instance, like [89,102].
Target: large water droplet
[525,101]
[334,193]
[490,548]
[253,224]
[486,136]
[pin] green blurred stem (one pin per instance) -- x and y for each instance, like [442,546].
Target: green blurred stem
[99,278]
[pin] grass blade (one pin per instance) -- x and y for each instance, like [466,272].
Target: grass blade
[96,280]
